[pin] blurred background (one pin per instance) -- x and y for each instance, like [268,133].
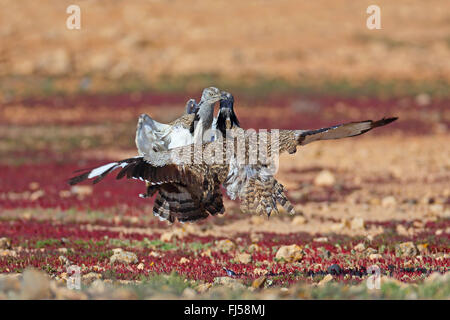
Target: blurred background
[71,98]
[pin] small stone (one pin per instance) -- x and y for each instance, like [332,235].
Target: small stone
[10,282]
[184,260]
[206,253]
[189,293]
[229,282]
[360,247]
[35,285]
[225,245]
[7,252]
[124,257]
[81,191]
[64,260]
[321,239]
[154,254]
[436,209]
[401,230]
[259,283]
[255,237]
[389,201]
[370,251]
[202,288]
[324,253]
[423,99]
[167,236]
[357,223]
[259,271]
[33,185]
[290,253]
[325,179]
[254,247]
[91,277]
[299,220]
[37,194]
[140,266]
[243,258]
[5,243]
[438,278]
[334,269]
[375,256]
[406,249]
[325,280]
[423,248]
[62,293]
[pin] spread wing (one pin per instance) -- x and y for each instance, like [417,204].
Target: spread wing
[186,193]
[341,131]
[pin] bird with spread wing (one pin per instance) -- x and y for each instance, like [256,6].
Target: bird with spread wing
[187,179]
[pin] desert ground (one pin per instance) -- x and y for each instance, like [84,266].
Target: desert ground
[70,100]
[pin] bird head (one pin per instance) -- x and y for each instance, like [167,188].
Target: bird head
[191,106]
[211,95]
[226,119]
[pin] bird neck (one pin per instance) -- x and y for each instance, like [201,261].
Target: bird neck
[205,114]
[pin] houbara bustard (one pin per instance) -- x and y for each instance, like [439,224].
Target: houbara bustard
[156,136]
[188,178]
[226,118]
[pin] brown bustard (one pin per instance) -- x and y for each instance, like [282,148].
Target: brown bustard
[188,178]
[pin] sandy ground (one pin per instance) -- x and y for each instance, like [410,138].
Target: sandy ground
[289,39]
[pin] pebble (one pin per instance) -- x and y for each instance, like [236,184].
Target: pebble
[255,237]
[360,247]
[7,252]
[388,201]
[91,277]
[124,257]
[35,285]
[225,245]
[5,243]
[290,253]
[259,283]
[401,230]
[229,282]
[189,293]
[260,271]
[325,179]
[171,235]
[325,280]
[184,260]
[357,223]
[406,249]
[82,191]
[334,269]
[202,288]
[140,266]
[243,258]
[299,220]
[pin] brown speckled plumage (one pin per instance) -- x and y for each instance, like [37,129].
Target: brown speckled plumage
[188,180]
